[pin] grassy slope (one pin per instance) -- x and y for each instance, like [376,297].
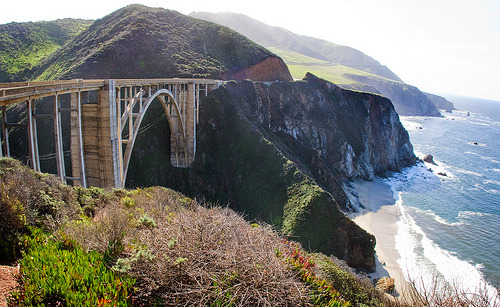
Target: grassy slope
[23,45]
[300,64]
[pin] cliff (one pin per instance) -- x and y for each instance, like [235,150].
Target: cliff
[280,152]
[142,42]
[441,102]
[408,100]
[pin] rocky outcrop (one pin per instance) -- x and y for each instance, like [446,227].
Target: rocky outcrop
[408,100]
[429,159]
[271,69]
[441,102]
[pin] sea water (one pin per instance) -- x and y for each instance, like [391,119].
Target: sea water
[449,226]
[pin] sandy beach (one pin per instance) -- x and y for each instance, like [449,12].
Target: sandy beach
[379,218]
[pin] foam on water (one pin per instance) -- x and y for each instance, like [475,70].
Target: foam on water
[422,260]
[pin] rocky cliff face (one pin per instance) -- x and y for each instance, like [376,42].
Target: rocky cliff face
[408,100]
[280,152]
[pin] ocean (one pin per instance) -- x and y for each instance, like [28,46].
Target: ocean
[449,224]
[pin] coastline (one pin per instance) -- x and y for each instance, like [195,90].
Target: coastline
[379,219]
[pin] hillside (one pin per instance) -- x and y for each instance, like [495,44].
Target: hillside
[279,152]
[345,66]
[154,246]
[142,42]
[24,45]
[269,36]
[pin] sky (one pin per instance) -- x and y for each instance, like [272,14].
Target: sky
[440,46]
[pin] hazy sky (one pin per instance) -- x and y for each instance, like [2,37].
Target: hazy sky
[441,46]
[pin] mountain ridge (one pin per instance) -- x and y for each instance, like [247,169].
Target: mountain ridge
[269,36]
[345,66]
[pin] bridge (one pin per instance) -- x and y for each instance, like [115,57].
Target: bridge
[105,117]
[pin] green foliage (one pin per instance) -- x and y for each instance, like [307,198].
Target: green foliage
[54,273]
[91,198]
[128,202]
[28,198]
[24,45]
[140,253]
[147,221]
[359,292]
[323,293]
[162,42]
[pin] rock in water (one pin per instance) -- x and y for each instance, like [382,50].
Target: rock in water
[429,159]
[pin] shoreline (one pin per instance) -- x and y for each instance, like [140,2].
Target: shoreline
[379,219]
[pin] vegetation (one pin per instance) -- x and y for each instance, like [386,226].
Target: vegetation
[149,246]
[61,272]
[24,45]
[275,38]
[162,43]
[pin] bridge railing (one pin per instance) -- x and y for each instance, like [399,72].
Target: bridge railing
[19,91]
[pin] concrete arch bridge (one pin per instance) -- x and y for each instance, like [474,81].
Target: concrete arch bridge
[104,120]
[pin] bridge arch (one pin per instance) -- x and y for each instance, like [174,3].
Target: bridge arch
[178,138]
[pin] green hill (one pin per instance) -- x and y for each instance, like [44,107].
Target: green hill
[141,42]
[24,45]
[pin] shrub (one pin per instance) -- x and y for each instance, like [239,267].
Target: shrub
[62,273]
[28,198]
[323,293]
[355,289]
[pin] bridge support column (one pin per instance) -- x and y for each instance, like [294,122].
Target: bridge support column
[32,136]
[100,139]
[77,153]
[61,170]
[190,123]
[5,133]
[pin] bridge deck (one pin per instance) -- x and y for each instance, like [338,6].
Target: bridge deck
[14,92]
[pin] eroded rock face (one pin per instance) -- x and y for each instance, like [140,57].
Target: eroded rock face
[334,133]
[271,69]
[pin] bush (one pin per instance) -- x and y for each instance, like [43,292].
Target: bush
[28,198]
[62,273]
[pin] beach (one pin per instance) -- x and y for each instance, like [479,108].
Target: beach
[380,218]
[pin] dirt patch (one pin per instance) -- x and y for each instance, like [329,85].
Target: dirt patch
[8,282]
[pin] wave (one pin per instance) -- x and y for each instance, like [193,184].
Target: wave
[469,214]
[422,260]
[438,218]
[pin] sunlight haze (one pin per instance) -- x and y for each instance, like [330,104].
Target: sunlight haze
[440,46]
